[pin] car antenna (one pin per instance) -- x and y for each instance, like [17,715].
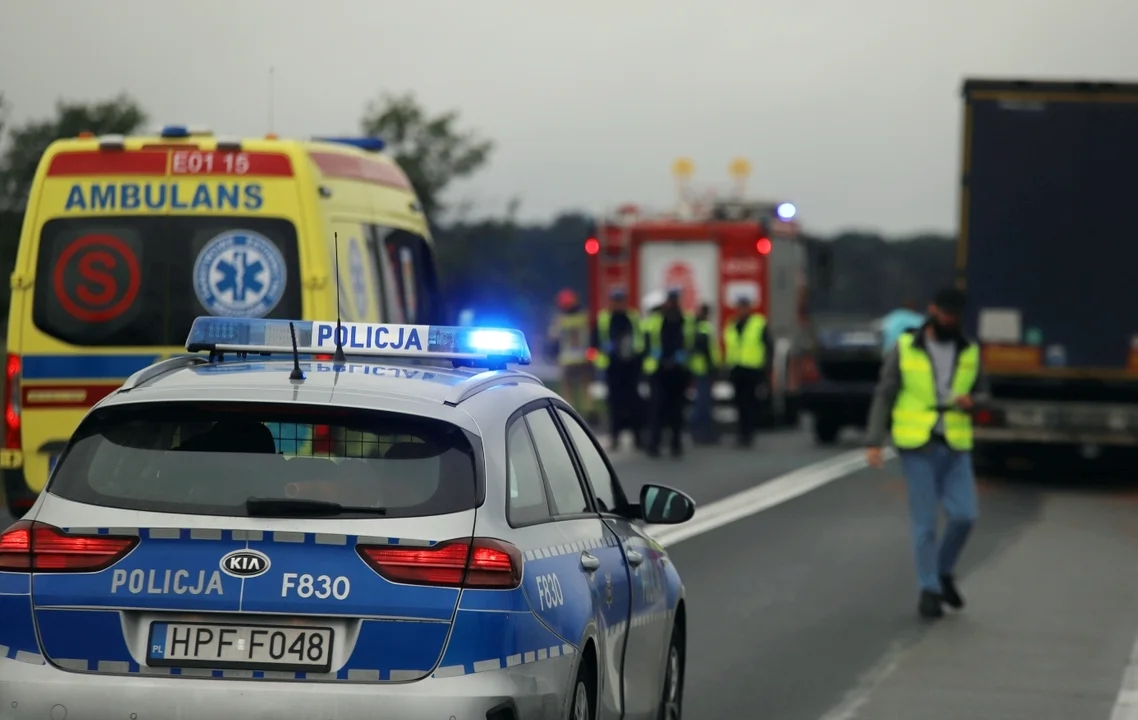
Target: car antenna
[297,373]
[338,357]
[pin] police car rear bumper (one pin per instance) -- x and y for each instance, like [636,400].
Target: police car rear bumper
[534,690]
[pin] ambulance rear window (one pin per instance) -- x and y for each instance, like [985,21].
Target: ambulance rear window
[210,458]
[141,280]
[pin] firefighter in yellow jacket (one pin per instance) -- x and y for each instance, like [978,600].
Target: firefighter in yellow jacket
[569,341]
[618,347]
[927,385]
[747,349]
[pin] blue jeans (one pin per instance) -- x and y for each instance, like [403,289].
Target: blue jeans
[939,476]
[702,427]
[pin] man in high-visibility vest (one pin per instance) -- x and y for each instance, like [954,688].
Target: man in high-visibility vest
[704,363]
[927,385]
[617,347]
[569,337]
[747,349]
[668,338]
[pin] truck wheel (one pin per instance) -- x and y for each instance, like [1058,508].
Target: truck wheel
[826,430]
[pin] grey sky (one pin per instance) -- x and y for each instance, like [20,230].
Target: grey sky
[848,108]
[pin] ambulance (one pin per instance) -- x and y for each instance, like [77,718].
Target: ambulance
[127,239]
[713,253]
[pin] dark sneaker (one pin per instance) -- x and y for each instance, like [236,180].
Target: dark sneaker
[949,592]
[930,607]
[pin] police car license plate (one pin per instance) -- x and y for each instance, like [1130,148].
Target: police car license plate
[250,646]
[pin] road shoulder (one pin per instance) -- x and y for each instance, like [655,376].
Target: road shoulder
[1047,634]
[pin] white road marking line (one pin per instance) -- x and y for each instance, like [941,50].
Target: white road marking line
[763,497]
[859,695]
[1126,704]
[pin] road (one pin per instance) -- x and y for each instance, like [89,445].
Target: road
[807,610]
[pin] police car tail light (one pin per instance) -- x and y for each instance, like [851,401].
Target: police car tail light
[37,547]
[12,403]
[492,563]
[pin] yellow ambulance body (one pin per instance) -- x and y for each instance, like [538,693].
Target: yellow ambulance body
[126,240]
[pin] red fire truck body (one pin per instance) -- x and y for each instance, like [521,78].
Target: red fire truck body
[714,257]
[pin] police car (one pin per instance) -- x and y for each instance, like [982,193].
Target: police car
[409,529]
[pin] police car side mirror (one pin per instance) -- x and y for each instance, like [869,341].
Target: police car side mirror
[662,505]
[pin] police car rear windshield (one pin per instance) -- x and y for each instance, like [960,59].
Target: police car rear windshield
[211,458]
[141,280]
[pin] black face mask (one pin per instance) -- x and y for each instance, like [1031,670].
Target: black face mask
[943,332]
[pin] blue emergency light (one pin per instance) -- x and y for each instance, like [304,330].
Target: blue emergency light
[175,131]
[473,345]
[370,144]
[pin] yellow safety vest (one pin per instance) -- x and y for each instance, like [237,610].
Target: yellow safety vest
[652,327]
[914,412]
[573,337]
[604,318]
[699,361]
[746,349]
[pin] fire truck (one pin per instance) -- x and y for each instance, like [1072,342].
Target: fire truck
[713,254]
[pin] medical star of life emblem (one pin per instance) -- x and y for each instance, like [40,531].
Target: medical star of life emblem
[608,589]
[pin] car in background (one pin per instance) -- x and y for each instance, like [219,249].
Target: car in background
[843,363]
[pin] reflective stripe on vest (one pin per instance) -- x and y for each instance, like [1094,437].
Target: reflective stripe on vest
[699,361]
[604,318]
[747,351]
[914,412]
[573,334]
[652,327]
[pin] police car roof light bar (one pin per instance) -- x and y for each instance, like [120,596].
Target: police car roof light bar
[464,346]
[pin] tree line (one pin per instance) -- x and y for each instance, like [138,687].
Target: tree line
[498,265]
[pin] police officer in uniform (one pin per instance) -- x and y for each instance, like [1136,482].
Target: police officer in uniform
[747,346]
[669,337]
[704,365]
[618,346]
[569,338]
[927,385]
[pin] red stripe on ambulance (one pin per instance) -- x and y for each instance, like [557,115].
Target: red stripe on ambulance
[229,162]
[346,167]
[102,162]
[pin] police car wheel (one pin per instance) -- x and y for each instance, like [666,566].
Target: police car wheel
[584,694]
[672,703]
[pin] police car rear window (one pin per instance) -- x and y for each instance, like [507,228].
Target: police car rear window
[141,280]
[210,458]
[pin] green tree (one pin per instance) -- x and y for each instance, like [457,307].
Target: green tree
[118,115]
[432,150]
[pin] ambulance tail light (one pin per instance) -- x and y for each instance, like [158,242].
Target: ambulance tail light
[493,564]
[37,547]
[12,402]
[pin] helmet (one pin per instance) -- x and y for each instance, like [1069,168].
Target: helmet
[652,299]
[566,299]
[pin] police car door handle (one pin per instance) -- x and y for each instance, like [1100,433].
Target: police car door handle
[634,558]
[589,562]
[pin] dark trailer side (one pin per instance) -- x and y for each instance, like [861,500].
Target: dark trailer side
[1048,255]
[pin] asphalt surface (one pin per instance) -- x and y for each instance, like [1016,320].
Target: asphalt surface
[807,611]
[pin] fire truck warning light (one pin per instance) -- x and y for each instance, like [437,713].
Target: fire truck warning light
[786,211]
[592,246]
